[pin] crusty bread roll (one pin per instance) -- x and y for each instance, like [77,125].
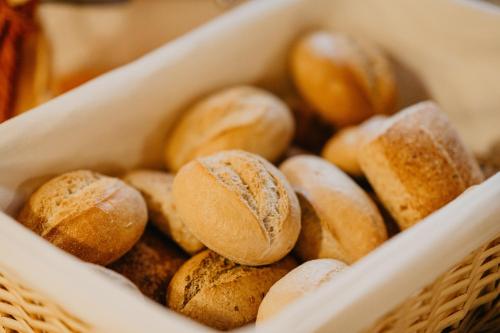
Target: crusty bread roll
[342,148]
[417,163]
[339,220]
[241,117]
[301,281]
[239,205]
[91,216]
[345,79]
[156,188]
[220,293]
[151,264]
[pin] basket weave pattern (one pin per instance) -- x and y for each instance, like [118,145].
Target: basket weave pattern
[25,311]
[464,299]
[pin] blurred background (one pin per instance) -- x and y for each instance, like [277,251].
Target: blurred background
[48,47]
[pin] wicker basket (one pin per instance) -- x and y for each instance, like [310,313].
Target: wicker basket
[464,299]
[442,274]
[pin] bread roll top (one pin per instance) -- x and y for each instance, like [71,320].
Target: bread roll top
[238,205]
[241,117]
[301,281]
[342,207]
[417,163]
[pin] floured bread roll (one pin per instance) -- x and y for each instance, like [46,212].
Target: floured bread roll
[94,217]
[346,80]
[220,293]
[339,220]
[240,117]
[417,163]
[238,205]
[301,281]
[342,148]
[156,187]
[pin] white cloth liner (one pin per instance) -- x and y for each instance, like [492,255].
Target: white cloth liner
[119,121]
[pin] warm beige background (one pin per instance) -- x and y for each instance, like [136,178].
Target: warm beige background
[96,38]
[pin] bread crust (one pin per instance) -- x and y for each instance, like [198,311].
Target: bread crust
[241,117]
[238,205]
[156,188]
[151,264]
[342,148]
[94,217]
[220,293]
[301,281]
[339,220]
[347,80]
[417,163]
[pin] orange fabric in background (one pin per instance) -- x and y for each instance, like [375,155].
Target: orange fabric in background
[15,24]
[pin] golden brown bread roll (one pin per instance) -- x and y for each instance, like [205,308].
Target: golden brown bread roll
[91,216]
[151,264]
[220,293]
[342,148]
[417,163]
[156,188]
[301,281]
[241,117]
[347,80]
[238,205]
[339,220]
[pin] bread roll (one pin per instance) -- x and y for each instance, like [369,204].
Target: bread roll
[156,188]
[220,293]
[339,220]
[417,163]
[241,117]
[342,148]
[301,281]
[347,80]
[151,264]
[238,205]
[91,216]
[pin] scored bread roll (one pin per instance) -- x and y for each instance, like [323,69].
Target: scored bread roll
[417,163]
[301,281]
[240,117]
[151,264]
[339,220]
[94,217]
[342,148]
[238,205]
[346,80]
[156,188]
[220,293]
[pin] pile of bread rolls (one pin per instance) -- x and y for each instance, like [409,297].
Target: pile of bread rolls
[241,225]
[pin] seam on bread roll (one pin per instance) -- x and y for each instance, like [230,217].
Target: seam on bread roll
[92,216]
[211,270]
[250,213]
[258,189]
